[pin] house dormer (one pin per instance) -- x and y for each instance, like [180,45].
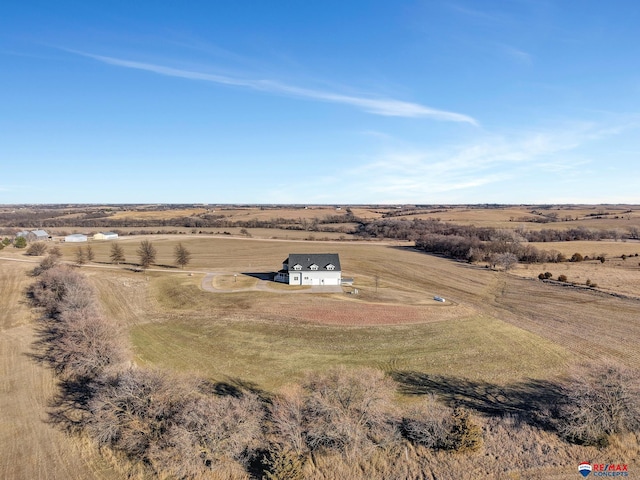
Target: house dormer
[313,267]
[331,266]
[297,266]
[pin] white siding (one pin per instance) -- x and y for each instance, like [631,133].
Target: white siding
[318,278]
[76,237]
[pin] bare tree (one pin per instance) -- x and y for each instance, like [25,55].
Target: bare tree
[47,262]
[429,424]
[146,253]
[183,256]
[164,421]
[49,291]
[507,260]
[287,419]
[80,256]
[342,410]
[601,400]
[37,249]
[117,254]
[87,345]
[90,254]
[80,342]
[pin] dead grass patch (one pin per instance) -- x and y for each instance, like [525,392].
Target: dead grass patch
[13,283]
[234,282]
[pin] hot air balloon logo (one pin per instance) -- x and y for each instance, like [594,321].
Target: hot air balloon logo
[584,468]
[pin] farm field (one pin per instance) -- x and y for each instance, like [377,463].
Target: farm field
[398,326]
[616,275]
[171,307]
[167,218]
[511,216]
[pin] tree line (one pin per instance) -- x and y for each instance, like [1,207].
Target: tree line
[146,253]
[494,245]
[47,219]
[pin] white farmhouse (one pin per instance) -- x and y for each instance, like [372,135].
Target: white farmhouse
[310,269]
[76,237]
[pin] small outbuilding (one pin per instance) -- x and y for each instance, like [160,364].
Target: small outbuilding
[40,235]
[105,236]
[34,235]
[76,237]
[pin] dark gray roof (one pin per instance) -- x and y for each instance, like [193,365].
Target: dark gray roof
[305,260]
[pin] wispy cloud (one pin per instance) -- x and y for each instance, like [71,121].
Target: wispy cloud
[376,105]
[485,166]
[478,14]
[518,55]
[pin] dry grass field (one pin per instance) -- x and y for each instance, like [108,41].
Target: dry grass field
[569,216]
[616,275]
[30,446]
[495,331]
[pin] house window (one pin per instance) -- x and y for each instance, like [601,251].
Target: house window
[330,267]
[313,267]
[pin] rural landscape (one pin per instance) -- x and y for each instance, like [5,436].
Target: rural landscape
[169,351]
[338,240]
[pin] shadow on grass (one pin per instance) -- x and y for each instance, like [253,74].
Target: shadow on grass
[535,402]
[266,276]
[69,408]
[43,347]
[170,267]
[235,387]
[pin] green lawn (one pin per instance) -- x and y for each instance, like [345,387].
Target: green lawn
[272,354]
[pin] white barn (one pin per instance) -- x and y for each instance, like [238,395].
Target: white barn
[310,269]
[105,236]
[76,237]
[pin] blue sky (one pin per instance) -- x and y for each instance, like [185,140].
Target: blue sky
[320,102]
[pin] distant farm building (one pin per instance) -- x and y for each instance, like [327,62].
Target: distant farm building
[310,269]
[40,235]
[76,237]
[34,235]
[105,236]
